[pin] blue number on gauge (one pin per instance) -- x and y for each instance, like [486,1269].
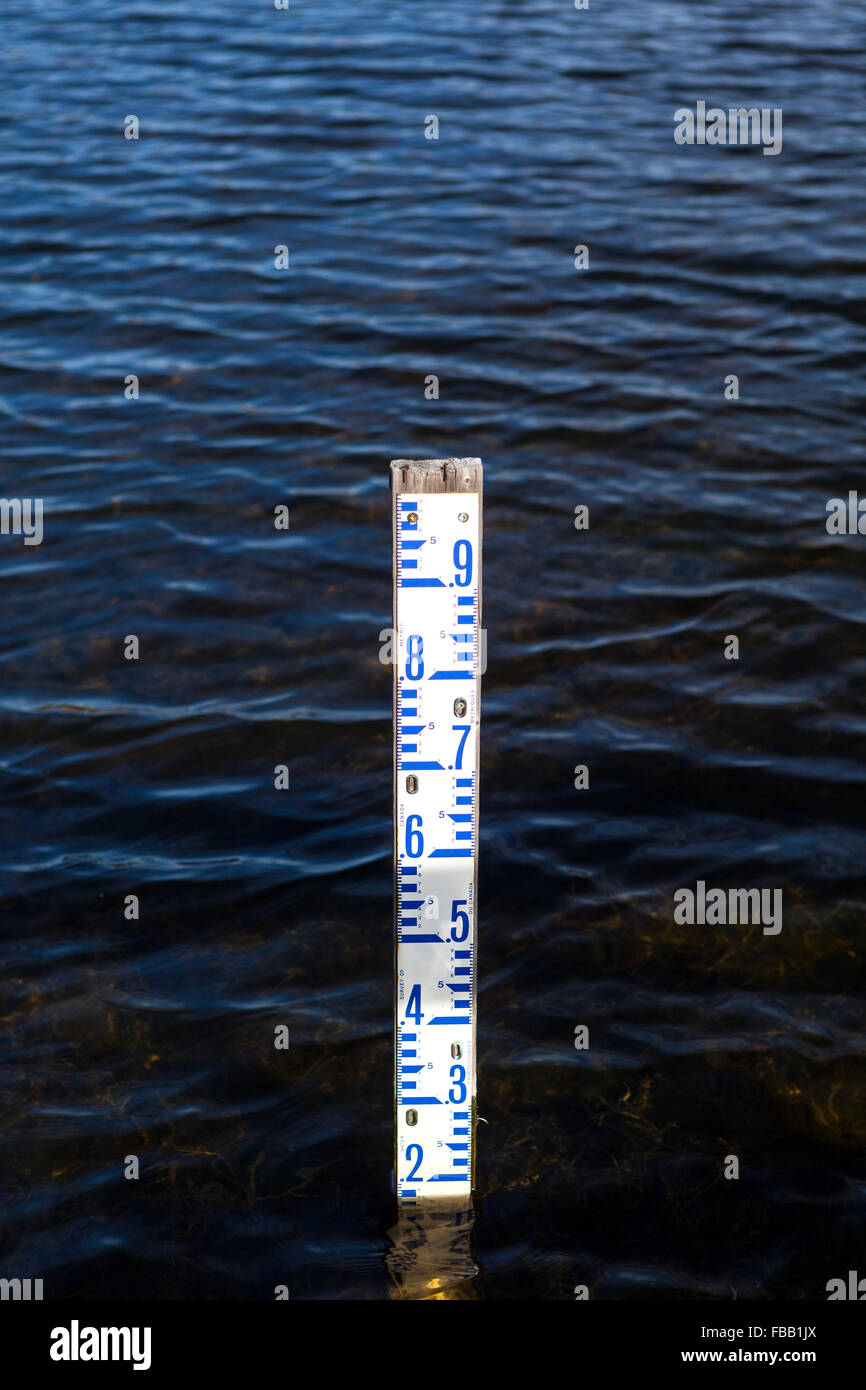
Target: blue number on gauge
[414,838]
[414,657]
[464,730]
[461,930]
[457,1094]
[463,564]
[413,1007]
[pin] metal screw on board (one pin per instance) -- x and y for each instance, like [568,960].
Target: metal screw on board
[456,1050]
[411,1117]
[412,518]
[464,516]
[460,707]
[411,784]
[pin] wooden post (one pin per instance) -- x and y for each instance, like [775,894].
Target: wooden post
[437,655]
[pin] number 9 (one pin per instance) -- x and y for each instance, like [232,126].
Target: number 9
[463,563]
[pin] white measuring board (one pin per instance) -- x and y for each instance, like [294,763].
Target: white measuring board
[437,591]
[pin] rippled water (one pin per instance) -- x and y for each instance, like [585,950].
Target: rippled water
[412,257]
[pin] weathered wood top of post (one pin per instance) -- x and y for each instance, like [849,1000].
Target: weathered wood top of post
[436,475]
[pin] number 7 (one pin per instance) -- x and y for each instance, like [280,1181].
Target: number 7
[465,730]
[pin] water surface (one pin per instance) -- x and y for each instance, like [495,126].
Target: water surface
[412,257]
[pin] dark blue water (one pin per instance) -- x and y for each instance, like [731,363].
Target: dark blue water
[411,257]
